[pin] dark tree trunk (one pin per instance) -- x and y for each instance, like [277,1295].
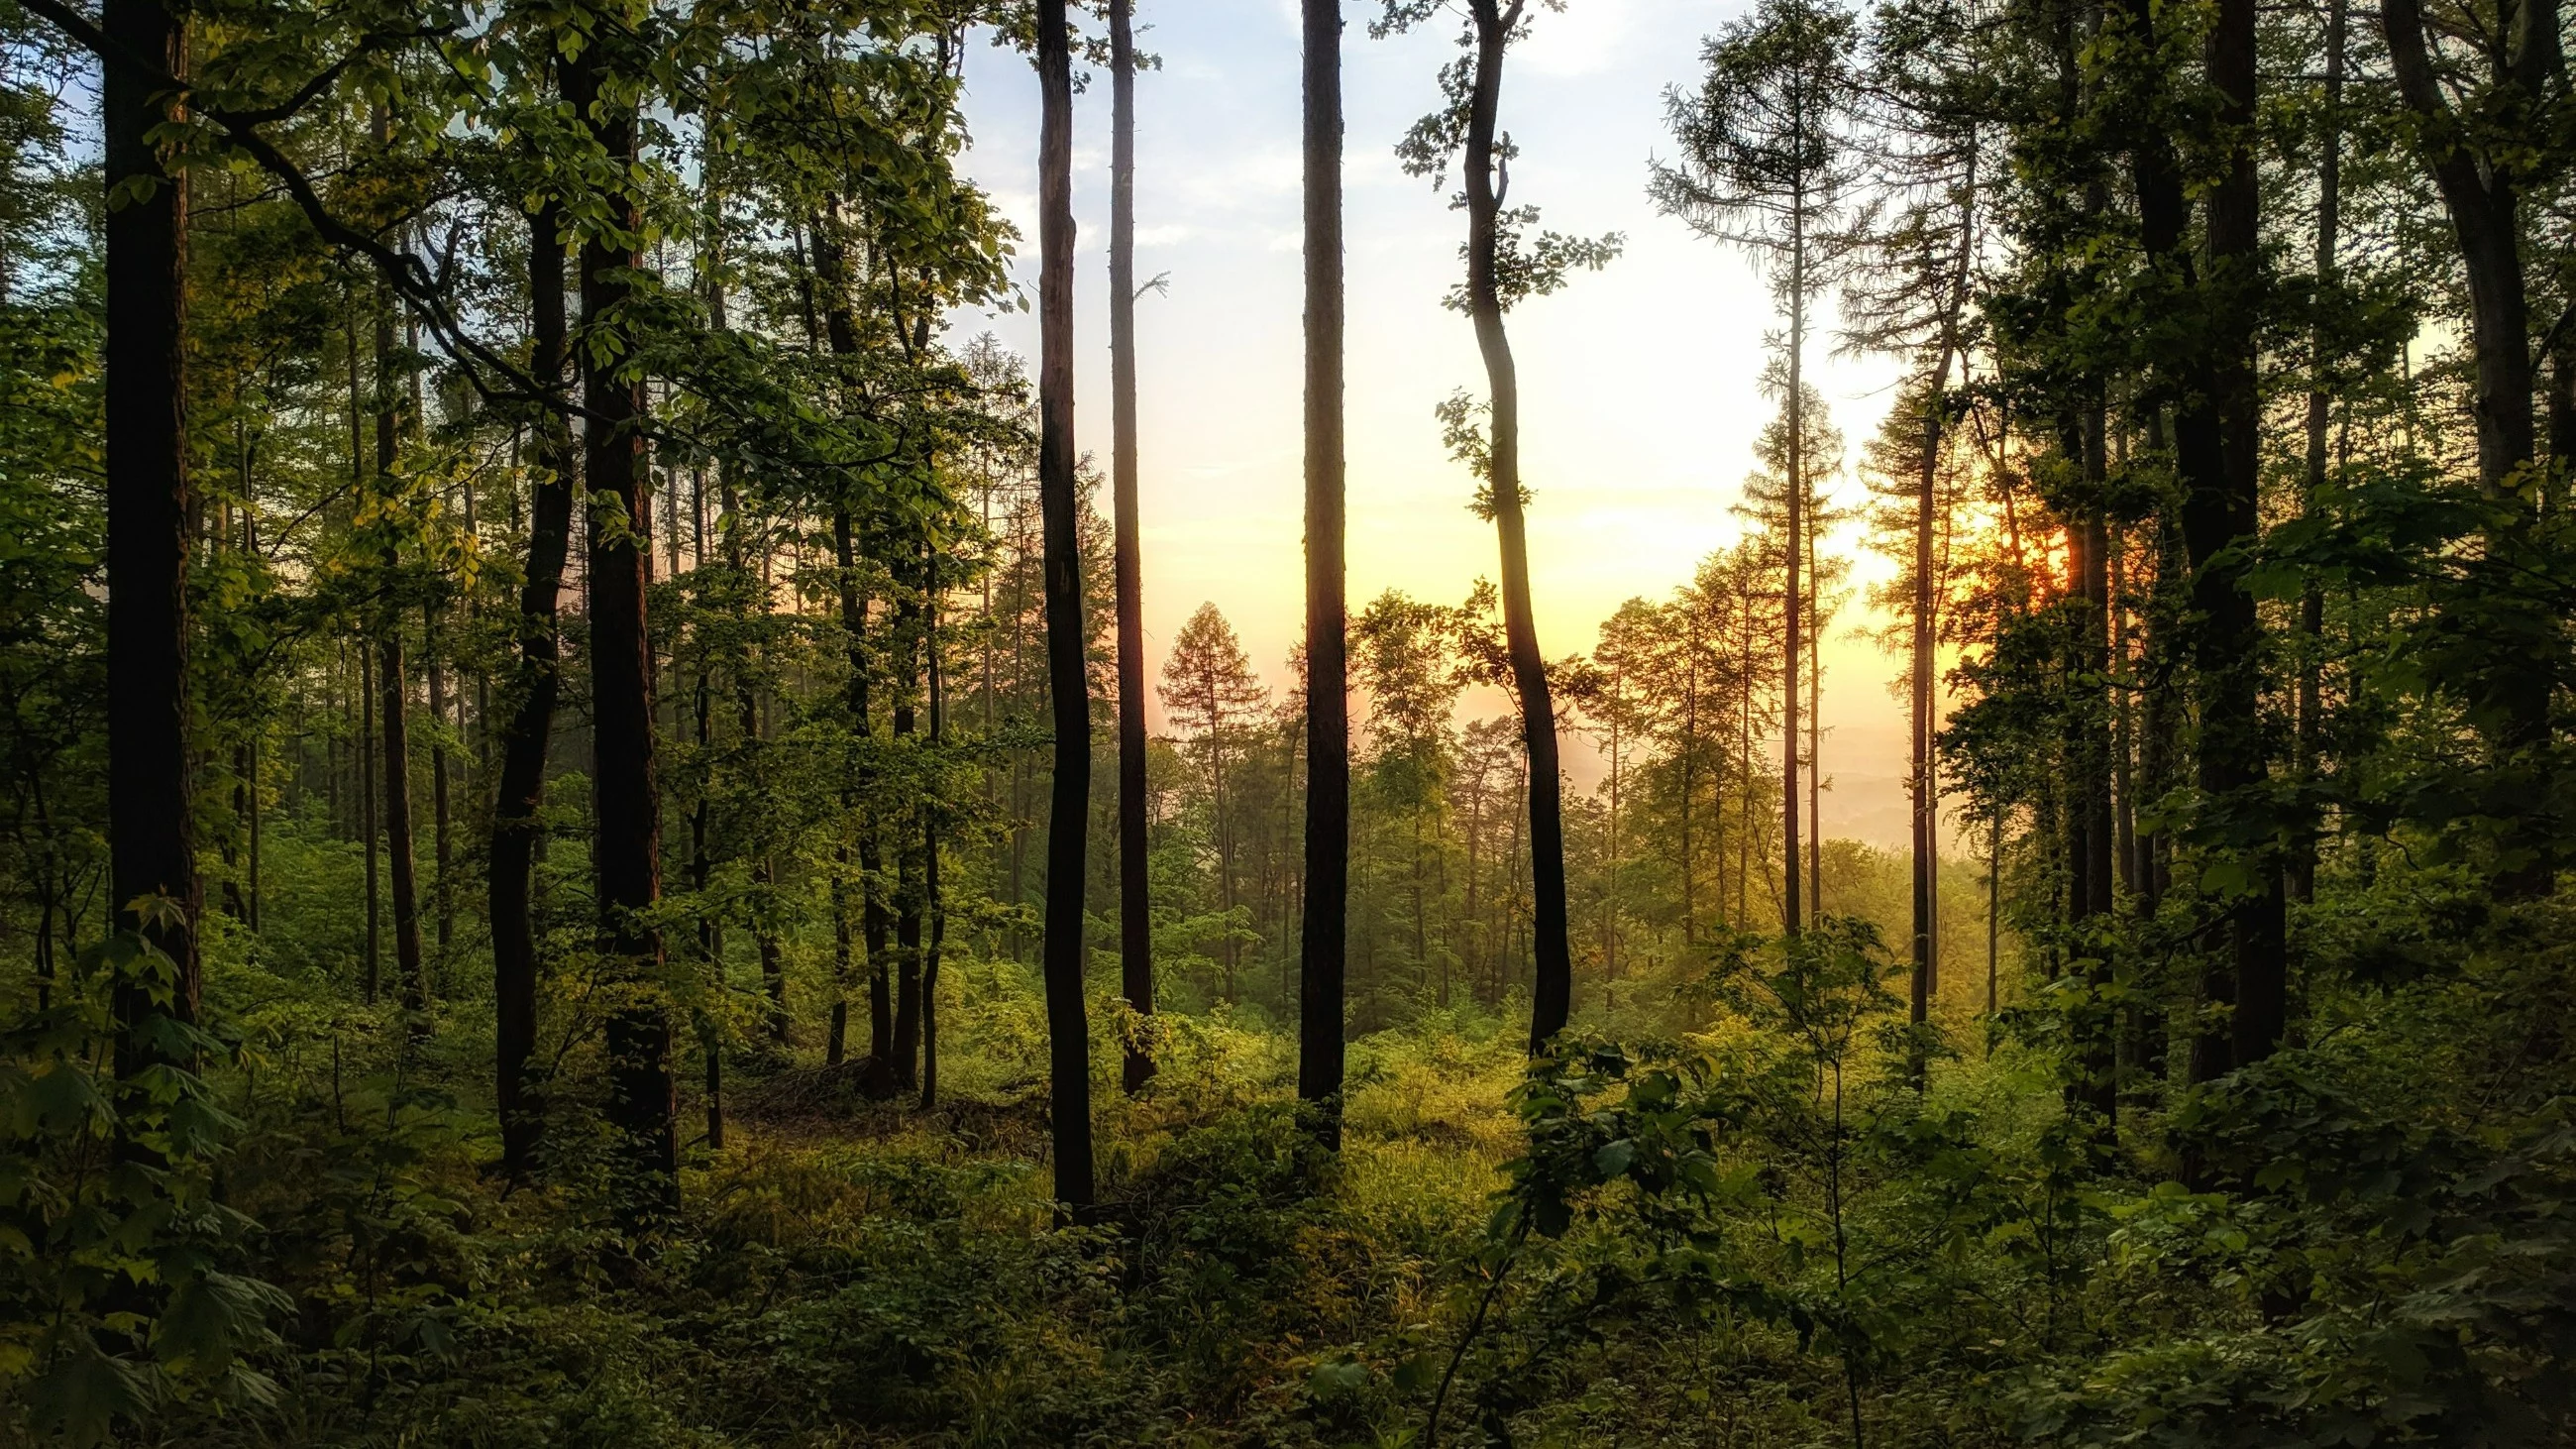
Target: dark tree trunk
[627,803]
[1069,812]
[1322,926]
[521,789]
[392,685]
[854,623]
[1135,923]
[2485,207]
[1552,993]
[151,845]
[2219,523]
[908,894]
[441,845]
[2216,423]
[2302,869]
[367,817]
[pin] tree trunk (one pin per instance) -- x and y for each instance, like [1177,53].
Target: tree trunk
[151,849]
[1323,926]
[1135,923]
[854,621]
[1068,691]
[627,800]
[1552,990]
[393,685]
[441,846]
[2302,871]
[2220,523]
[2485,208]
[521,789]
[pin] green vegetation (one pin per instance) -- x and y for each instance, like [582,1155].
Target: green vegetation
[549,894]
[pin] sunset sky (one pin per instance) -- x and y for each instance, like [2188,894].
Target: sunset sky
[1638,383]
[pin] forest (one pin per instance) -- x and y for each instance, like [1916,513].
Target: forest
[597,856]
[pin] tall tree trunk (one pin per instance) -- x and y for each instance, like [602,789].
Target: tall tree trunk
[1068,688]
[442,849]
[1793,607]
[627,806]
[152,852]
[521,790]
[393,685]
[907,897]
[1135,922]
[1925,794]
[2485,206]
[1323,926]
[855,799]
[1552,990]
[2220,524]
[367,819]
[2216,422]
[930,818]
[2302,870]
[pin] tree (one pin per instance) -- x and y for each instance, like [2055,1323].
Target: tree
[627,852]
[153,871]
[1213,701]
[1504,268]
[1765,166]
[2472,106]
[1797,454]
[1068,681]
[1322,935]
[1135,922]
[1911,295]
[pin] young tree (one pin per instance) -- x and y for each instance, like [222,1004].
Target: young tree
[1766,165]
[1213,701]
[1504,267]
[1068,680]
[1323,929]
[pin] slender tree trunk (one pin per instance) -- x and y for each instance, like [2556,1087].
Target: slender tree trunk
[441,845]
[521,790]
[152,853]
[1069,812]
[908,896]
[1135,922]
[930,820]
[367,818]
[393,685]
[1322,937]
[627,800]
[1792,918]
[855,799]
[1552,993]
[1925,794]
[2302,872]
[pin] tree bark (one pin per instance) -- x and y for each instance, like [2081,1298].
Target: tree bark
[392,685]
[2485,207]
[1323,926]
[1135,921]
[152,851]
[626,797]
[520,793]
[2302,869]
[1552,989]
[1068,691]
